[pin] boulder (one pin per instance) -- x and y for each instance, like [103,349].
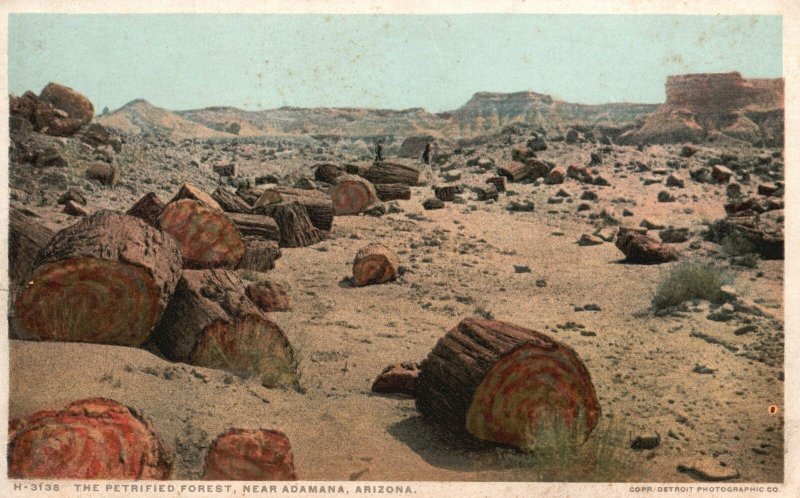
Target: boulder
[556,175]
[642,249]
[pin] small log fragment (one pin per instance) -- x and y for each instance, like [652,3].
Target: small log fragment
[210,322]
[499,182]
[207,237]
[259,255]
[353,195]
[269,296]
[72,208]
[327,172]
[93,438]
[505,384]
[74,195]
[258,226]
[250,455]
[514,171]
[105,279]
[393,191]
[375,264]
[447,193]
[225,169]
[105,173]
[230,202]
[485,192]
[249,194]
[148,208]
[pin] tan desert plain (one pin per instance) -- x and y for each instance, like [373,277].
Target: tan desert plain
[521,289]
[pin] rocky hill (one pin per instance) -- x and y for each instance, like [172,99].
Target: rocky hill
[710,106]
[141,117]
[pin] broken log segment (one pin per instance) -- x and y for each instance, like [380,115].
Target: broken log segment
[211,322]
[499,182]
[485,192]
[504,383]
[294,225]
[384,172]
[514,171]
[269,296]
[105,173]
[148,208]
[353,195]
[27,236]
[93,438]
[393,191]
[224,169]
[250,455]
[256,225]
[447,193]
[189,191]
[375,264]
[318,204]
[327,172]
[230,202]
[106,279]
[249,194]
[207,237]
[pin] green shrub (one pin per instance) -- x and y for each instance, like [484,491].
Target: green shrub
[690,281]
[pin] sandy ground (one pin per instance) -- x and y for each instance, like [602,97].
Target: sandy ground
[460,262]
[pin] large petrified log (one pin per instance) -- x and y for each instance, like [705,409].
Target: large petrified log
[105,279]
[296,229]
[353,195]
[250,455]
[259,255]
[207,237]
[375,264]
[27,236]
[230,202]
[94,438]
[385,172]
[393,191]
[318,205]
[505,384]
[211,322]
[148,208]
[256,225]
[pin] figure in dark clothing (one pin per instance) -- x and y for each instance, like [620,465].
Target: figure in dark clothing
[379,152]
[426,155]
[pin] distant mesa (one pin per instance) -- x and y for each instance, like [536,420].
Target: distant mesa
[699,107]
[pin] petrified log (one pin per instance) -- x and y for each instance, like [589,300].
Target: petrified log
[514,171]
[294,225]
[327,172]
[520,152]
[94,438]
[249,194]
[148,208]
[375,264]
[27,236]
[258,226]
[355,169]
[105,173]
[642,249]
[505,384]
[393,191]
[499,182]
[433,203]
[189,191]
[72,208]
[485,192]
[259,255]
[207,237]
[225,169]
[210,322]
[269,296]
[353,195]
[230,202]
[250,455]
[318,204]
[105,279]
[384,172]
[400,378]
[447,193]
[539,168]
[74,195]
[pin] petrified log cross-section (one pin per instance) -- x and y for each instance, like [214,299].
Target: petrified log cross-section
[148,208]
[106,279]
[207,238]
[353,195]
[94,438]
[375,264]
[211,322]
[505,383]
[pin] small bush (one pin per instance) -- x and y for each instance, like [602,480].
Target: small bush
[736,244]
[690,281]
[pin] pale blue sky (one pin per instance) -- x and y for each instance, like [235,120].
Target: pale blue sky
[398,61]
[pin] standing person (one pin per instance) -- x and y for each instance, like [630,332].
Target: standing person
[426,156]
[379,152]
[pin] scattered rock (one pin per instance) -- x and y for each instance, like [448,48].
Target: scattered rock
[665,196]
[589,240]
[400,378]
[269,296]
[432,203]
[642,249]
[674,235]
[721,173]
